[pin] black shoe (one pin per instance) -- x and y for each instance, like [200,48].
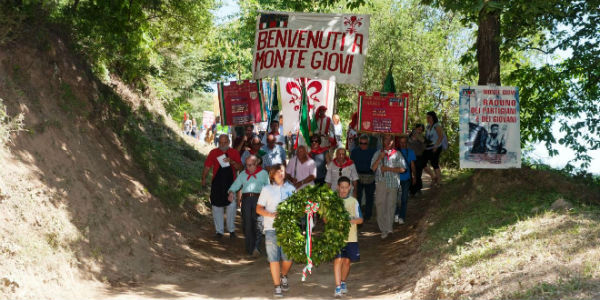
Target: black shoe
[232,235]
[218,235]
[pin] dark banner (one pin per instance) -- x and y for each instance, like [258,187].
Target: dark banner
[383,113]
[241,103]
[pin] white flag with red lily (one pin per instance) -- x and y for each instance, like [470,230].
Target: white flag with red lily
[318,92]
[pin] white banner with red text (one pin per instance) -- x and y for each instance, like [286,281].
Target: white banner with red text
[320,46]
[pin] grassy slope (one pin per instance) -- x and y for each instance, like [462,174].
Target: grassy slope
[494,234]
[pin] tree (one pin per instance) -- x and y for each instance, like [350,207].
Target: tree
[549,92]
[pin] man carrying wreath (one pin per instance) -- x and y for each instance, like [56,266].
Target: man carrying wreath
[270,196]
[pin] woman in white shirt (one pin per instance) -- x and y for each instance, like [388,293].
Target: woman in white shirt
[270,196]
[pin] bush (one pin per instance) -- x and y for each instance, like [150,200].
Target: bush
[9,125]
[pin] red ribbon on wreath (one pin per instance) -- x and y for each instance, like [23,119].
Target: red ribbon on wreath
[310,209]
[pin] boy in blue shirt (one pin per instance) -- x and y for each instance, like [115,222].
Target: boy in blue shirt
[406,178]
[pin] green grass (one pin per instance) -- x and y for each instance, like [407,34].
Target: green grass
[493,234]
[558,290]
[464,217]
[172,167]
[68,101]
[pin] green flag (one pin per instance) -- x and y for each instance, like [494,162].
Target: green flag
[388,84]
[304,119]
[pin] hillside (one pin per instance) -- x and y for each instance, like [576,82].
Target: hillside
[77,210]
[99,198]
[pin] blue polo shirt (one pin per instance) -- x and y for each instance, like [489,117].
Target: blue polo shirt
[362,159]
[409,156]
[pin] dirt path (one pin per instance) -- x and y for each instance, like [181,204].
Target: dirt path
[387,269]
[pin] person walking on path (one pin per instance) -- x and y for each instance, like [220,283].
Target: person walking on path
[270,196]
[362,157]
[351,134]
[340,166]
[225,162]
[255,149]
[274,153]
[220,129]
[251,182]
[319,155]
[337,129]
[350,252]
[279,137]
[387,164]
[434,136]
[416,142]
[323,127]
[242,143]
[301,170]
[406,178]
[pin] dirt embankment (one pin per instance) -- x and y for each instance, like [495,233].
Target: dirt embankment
[75,210]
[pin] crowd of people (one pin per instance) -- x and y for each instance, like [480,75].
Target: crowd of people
[255,174]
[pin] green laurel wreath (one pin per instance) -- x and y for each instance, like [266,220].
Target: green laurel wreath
[291,236]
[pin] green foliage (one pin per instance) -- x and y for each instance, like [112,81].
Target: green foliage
[68,101]
[423,45]
[172,167]
[325,245]
[9,125]
[549,91]
[157,45]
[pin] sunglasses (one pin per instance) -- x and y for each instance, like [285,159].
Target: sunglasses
[363,143]
[315,141]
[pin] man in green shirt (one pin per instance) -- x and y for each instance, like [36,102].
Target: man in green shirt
[250,181]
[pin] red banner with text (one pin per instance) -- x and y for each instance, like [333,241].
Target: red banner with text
[383,113]
[241,103]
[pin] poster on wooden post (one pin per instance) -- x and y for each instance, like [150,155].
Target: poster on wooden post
[489,127]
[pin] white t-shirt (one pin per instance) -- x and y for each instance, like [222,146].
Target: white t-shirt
[270,196]
[337,129]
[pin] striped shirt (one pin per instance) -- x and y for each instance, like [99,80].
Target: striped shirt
[395,160]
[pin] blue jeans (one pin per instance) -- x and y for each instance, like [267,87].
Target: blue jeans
[369,189]
[274,251]
[218,215]
[401,209]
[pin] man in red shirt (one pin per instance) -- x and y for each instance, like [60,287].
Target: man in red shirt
[225,162]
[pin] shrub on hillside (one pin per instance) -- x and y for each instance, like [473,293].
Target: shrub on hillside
[9,125]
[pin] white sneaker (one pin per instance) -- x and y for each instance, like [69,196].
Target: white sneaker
[384,235]
[278,293]
[338,292]
[396,218]
[400,221]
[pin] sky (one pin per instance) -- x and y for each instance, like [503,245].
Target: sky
[540,153]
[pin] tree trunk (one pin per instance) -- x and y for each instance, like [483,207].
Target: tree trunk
[488,47]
